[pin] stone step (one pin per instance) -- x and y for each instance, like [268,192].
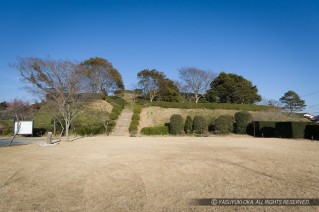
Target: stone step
[123,122]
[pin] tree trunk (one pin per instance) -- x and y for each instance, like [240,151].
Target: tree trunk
[67,126]
[54,126]
[61,133]
[15,133]
[196,98]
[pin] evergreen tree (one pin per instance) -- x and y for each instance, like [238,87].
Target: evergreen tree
[292,102]
[232,88]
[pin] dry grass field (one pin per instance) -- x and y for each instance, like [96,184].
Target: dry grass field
[157,173]
[100,105]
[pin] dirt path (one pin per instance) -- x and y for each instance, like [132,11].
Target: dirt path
[123,123]
[156,173]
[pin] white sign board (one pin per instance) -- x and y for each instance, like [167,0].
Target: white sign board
[23,128]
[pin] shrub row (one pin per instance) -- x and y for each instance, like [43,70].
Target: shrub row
[199,125]
[135,119]
[224,124]
[116,111]
[285,129]
[159,130]
[192,105]
[118,105]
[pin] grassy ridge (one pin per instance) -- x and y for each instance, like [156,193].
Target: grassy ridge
[225,106]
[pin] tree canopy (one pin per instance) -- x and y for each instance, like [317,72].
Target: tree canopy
[101,76]
[292,102]
[232,88]
[157,86]
[195,80]
[56,81]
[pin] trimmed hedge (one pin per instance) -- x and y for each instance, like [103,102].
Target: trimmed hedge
[224,124]
[265,128]
[312,131]
[118,105]
[242,120]
[286,129]
[200,124]
[159,130]
[176,124]
[133,126]
[192,105]
[135,119]
[137,109]
[188,126]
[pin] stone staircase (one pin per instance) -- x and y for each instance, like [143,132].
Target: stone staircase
[123,123]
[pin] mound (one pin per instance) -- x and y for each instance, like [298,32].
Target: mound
[100,105]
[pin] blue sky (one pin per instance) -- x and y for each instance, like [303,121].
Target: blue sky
[273,43]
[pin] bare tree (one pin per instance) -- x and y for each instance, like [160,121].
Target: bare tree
[19,110]
[56,80]
[185,90]
[196,80]
[56,117]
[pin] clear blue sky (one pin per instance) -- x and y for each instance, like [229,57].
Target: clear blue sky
[273,43]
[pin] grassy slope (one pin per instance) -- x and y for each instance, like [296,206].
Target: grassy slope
[94,113]
[153,116]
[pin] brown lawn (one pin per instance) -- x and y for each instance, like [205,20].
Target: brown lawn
[157,173]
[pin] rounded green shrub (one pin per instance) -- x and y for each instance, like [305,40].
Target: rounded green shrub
[200,125]
[188,127]
[224,124]
[176,124]
[242,120]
